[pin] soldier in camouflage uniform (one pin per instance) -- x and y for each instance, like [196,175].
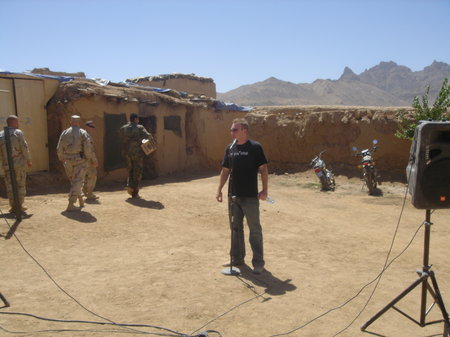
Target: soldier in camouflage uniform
[91,171]
[21,160]
[75,151]
[131,135]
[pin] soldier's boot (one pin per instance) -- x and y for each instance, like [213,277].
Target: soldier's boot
[11,205]
[21,201]
[81,201]
[71,206]
[91,196]
[13,208]
[135,193]
[130,190]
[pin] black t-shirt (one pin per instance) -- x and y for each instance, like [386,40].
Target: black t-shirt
[244,161]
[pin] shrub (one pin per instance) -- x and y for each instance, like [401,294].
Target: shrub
[422,111]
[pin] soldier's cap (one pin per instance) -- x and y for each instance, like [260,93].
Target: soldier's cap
[90,124]
[133,116]
[75,118]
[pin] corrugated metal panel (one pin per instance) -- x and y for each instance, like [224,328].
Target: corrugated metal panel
[30,95]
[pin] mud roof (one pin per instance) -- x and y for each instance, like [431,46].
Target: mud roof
[171,76]
[78,88]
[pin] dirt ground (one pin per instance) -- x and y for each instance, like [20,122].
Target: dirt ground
[157,261]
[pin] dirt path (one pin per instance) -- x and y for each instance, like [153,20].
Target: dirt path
[158,261]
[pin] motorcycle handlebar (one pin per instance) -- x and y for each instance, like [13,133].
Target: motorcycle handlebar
[372,150]
[319,156]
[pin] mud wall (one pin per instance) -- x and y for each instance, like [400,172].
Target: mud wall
[166,118]
[293,136]
[193,135]
[213,133]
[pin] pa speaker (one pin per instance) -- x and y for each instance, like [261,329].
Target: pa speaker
[428,169]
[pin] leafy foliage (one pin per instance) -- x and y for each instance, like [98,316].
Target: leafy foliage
[422,111]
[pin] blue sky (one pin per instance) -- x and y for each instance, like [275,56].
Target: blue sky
[234,42]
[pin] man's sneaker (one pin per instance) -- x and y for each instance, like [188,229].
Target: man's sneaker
[258,269]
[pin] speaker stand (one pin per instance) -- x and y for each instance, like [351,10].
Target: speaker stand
[424,275]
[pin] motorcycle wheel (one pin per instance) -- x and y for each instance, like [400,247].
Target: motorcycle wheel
[377,177]
[324,183]
[371,182]
[332,184]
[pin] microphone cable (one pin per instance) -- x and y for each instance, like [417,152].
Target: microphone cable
[175,333]
[386,264]
[377,278]
[249,286]
[168,333]
[353,297]
[126,328]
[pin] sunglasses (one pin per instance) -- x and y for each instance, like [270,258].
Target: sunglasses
[234,130]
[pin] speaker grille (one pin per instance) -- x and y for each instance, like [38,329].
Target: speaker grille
[435,183]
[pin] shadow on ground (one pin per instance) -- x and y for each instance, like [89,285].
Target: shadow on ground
[139,202]
[80,216]
[273,285]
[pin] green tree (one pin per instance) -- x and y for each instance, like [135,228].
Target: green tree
[422,111]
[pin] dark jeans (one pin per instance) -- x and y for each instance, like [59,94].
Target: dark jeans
[248,207]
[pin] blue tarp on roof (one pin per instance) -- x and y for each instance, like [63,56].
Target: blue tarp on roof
[219,105]
[132,84]
[53,77]
[160,90]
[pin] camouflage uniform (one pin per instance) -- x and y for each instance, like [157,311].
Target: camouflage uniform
[91,174]
[75,150]
[131,135]
[21,157]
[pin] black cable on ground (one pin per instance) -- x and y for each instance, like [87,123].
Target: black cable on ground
[172,332]
[247,285]
[356,295]
[378,277]
[175,333]
[386,265]
[229,310]
[108,321]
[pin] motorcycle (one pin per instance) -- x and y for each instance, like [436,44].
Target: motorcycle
[369,171]
[325,175]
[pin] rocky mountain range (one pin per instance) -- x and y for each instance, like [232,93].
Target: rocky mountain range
[386,84]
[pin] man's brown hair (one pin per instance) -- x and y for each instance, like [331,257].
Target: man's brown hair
[241,121]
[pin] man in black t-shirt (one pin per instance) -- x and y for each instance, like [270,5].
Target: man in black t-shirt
[242,161]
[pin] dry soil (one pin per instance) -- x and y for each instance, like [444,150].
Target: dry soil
[157,261]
